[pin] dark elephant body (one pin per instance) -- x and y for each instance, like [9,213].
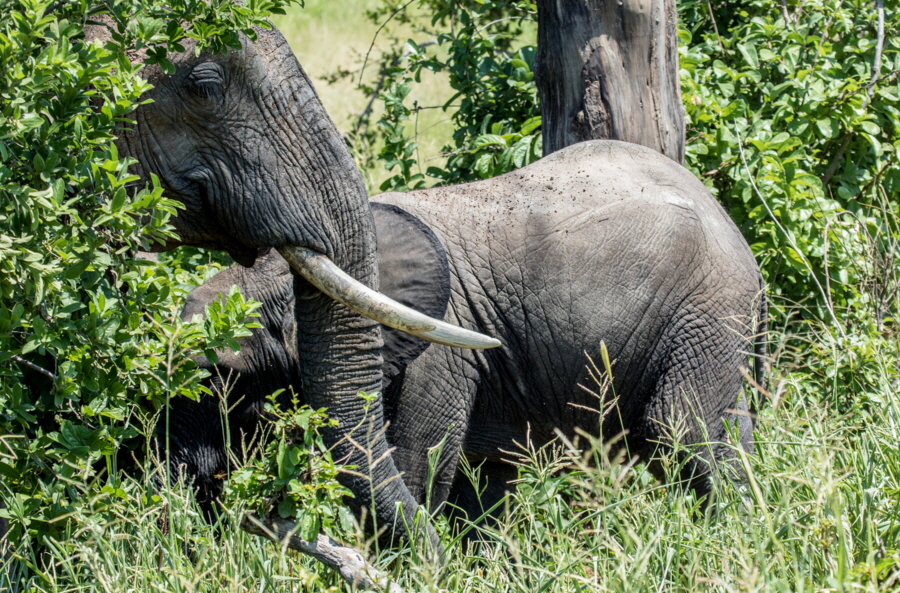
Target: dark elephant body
[603,242]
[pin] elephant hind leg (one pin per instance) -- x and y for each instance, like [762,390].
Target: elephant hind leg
[697,408]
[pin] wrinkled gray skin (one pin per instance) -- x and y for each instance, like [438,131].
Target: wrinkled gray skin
[268,359]
[603,242]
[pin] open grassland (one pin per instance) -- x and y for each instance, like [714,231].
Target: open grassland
[818,512]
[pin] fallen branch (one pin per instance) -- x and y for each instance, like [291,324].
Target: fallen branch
[348,563]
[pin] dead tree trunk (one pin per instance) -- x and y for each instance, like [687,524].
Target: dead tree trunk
[609,69]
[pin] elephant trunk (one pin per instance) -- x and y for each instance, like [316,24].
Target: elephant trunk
[339,351]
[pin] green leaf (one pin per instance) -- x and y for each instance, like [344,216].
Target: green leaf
[828,127]
[530,125]
[748,50]
[286,509]
[484,165]
[309,527]
[870,127]
[489,140]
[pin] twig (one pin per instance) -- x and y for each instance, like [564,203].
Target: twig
[33,366]
[879,47]
[715,27]
[383,25]
[347,562]
[784,12]
[824,36]
[507,18]
[363,117]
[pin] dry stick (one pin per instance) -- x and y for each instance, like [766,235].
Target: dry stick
[348,563]
[33,366]
[383,25]
[715,27]
[870,90]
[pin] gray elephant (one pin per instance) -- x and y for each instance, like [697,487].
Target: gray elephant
[268,359]
[602,241]
[486,402]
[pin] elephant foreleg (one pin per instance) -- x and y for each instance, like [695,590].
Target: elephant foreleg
[477,496]
[190,447]
[429,414]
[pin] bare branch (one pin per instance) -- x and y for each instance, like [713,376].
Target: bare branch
[33,366]
[347,562]
[879,47]
[383,25]
[715,27]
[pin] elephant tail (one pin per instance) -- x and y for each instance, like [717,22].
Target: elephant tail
[760,339]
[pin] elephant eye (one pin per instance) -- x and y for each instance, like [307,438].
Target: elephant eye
[206,81]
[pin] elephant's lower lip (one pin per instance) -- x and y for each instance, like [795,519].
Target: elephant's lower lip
[245,256]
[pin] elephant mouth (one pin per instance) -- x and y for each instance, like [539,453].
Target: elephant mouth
[322,273]
[245,256]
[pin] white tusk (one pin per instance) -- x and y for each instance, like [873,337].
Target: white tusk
[322,273]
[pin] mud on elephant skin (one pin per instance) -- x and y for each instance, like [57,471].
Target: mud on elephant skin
[602,241]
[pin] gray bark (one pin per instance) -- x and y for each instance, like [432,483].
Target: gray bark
[608,69]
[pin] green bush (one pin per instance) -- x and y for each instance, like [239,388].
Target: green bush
[91,344]
[494,107]
[794,124]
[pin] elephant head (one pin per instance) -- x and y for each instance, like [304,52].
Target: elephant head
[243,142]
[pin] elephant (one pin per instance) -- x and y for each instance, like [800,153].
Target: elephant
[194,435]
[600,242]
[479,404]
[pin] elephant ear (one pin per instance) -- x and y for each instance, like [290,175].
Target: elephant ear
[412,269]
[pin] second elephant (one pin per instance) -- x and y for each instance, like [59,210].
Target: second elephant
[601,242]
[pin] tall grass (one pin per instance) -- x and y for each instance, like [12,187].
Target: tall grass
[818,511]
